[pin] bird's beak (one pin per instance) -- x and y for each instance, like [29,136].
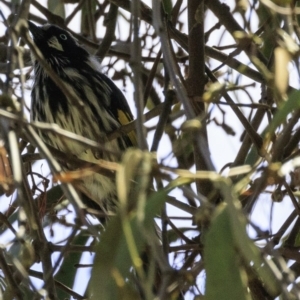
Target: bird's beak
[36,31]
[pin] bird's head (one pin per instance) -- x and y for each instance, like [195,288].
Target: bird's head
[56,44]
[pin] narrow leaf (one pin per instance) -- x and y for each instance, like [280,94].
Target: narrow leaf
[225,277]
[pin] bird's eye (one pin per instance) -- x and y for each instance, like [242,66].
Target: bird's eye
[63,36]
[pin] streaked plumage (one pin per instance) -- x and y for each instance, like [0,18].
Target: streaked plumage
[104,104]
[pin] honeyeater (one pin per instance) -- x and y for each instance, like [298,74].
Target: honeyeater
[97,109]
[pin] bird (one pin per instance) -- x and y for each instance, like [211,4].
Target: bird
[101,107]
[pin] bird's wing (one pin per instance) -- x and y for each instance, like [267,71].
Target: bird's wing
[120,108]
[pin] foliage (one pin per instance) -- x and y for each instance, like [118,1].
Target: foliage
[202,74]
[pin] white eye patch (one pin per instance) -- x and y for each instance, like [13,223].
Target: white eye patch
[54,43]
[63,37]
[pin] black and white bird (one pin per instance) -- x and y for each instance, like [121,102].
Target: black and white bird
[102,110]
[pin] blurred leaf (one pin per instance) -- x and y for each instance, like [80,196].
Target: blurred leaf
[191,125]
[284,109]
[247,249]
[53,195]
[297,240]
[67,271]
[13,251]
[292,103]
[287,42]
[109,272]
[167,4]
[154,205]
[213,91]
[252,156]
[87,17]
[297,17]
[57,7]
[271,23]
[113,261]
[281,76]
[173,235]
[133,181]
[236,171]
[27,293]
[180,181]
[26,255]
[126,175]
[225,277]
[241,6]
[282,2]
[183,149]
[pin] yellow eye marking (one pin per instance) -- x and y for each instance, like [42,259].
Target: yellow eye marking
[124,119]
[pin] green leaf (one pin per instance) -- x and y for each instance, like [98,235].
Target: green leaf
[252,156]
[284,109]
[271,22]
[297,240]
[67,272]
[167,5]
[179,181]
[225,277]
[53,195]
[57,7]
[292,103]
[113,261]
[246,248]
[27,292]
